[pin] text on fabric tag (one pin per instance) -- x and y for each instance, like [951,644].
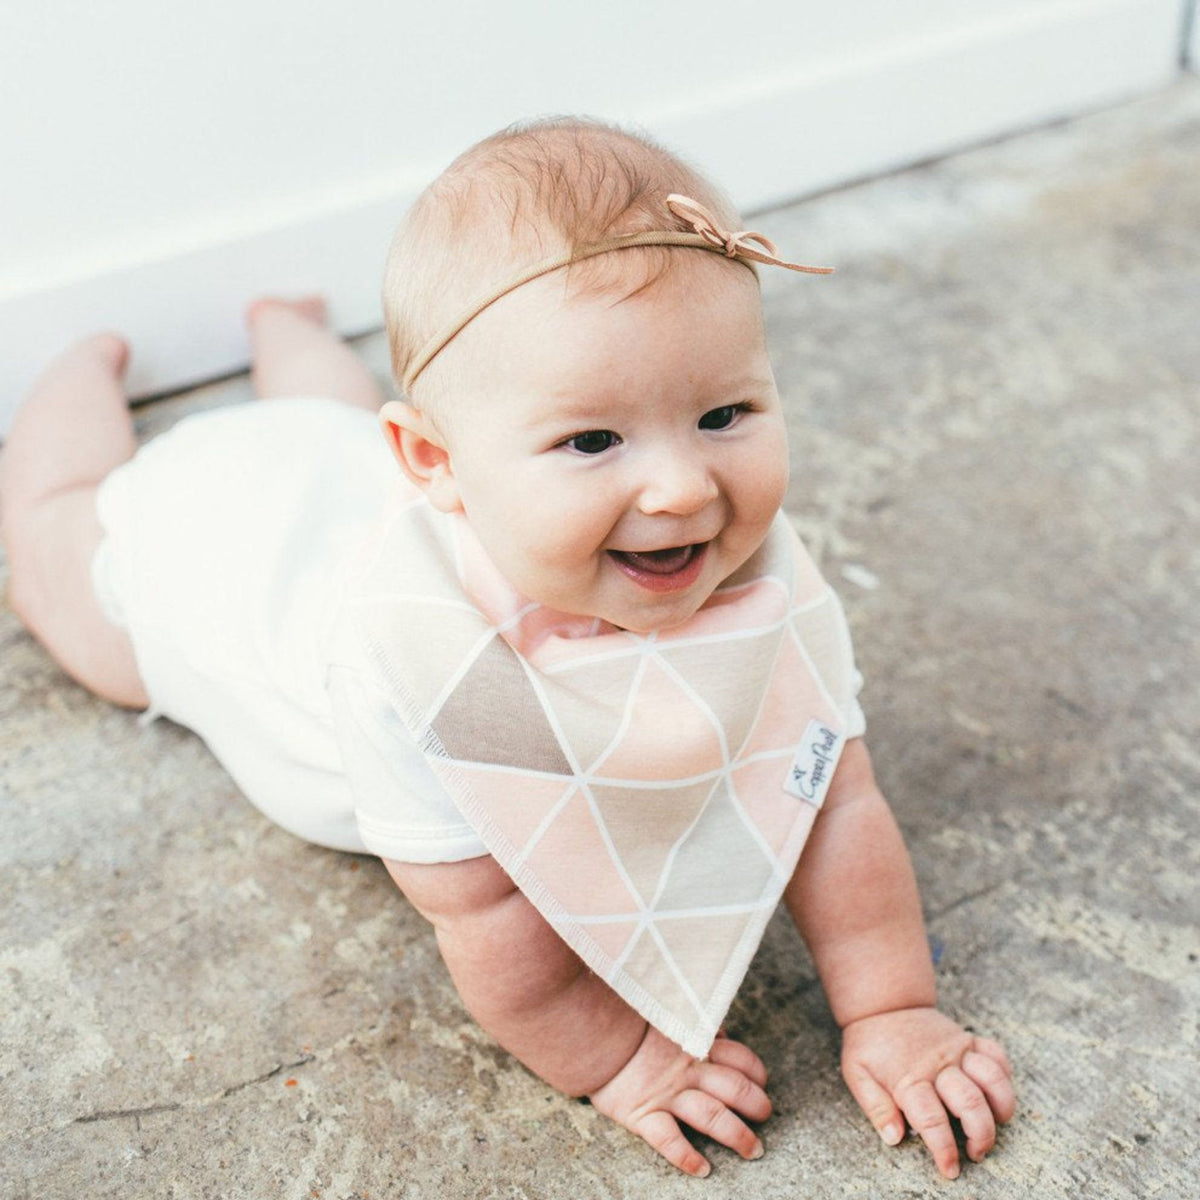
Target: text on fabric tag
[815,761]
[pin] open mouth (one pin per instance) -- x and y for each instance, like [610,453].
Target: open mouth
[662,570]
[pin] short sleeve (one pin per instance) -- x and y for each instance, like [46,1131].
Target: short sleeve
[402,810]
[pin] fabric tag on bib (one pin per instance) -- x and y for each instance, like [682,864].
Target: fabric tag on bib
[814,764]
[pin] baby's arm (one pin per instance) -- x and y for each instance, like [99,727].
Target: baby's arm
[536,997]
[854,899]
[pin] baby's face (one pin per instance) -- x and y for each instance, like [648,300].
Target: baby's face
[621,459]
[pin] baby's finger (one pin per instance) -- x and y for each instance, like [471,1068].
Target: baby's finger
[729,1053]
[994,1051]
[734,1089]
[967,1102]
[995,1082]
[878,1104]
[927,1115]
[662,1132]
[706,1114]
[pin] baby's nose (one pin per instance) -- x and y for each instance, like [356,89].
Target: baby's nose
[678,484]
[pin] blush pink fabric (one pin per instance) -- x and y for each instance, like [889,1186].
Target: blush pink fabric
[631,785]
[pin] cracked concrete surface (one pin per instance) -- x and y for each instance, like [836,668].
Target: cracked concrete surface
[994,418]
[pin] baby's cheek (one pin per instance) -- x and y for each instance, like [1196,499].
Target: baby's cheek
[561,554]
[569,533]
[765,490]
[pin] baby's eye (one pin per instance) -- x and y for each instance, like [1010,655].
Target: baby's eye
[723,417]
[595,441]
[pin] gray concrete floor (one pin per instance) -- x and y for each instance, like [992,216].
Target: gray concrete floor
[994,411]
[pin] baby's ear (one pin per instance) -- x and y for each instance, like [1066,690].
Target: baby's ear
[422,454]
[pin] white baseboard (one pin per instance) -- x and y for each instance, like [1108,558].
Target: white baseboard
[790,137]
[787,136]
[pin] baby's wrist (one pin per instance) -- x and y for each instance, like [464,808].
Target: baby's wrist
[898,1007]
[630,1044]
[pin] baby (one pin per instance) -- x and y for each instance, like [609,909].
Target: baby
[567,672]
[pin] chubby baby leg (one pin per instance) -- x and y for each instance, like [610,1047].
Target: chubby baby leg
[295,353]
[72,430]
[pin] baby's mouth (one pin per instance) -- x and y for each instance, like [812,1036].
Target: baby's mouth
[658,562]
[662,570]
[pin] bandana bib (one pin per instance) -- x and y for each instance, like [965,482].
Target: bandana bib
[649,794]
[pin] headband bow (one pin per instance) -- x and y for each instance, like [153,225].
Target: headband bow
[733,245]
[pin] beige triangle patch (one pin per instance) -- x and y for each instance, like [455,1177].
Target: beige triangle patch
[644,825]
[722,863]
[493,715]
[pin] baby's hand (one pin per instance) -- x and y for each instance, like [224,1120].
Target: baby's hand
[919,1065]
[661,1086]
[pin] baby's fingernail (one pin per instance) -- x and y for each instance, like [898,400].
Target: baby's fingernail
[757,1152]
[892,1134]
[704,1171]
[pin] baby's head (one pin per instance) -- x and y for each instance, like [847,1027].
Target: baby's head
[520,197]
[610,426]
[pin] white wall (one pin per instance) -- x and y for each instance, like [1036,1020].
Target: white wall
[164,163]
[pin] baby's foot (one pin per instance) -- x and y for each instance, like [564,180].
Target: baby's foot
[104,352]
[310,308]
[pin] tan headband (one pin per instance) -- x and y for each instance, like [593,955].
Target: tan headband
[706,235]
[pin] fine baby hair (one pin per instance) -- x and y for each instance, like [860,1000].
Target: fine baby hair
[540,196]
[521,195]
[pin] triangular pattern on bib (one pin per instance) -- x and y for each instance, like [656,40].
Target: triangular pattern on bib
[631,785]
